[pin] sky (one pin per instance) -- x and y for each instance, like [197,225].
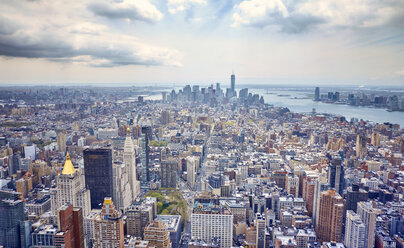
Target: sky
[167,42]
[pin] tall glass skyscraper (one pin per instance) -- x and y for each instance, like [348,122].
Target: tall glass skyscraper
[145,156]
[317,94]
[233,84]
[98,175]
[13,227]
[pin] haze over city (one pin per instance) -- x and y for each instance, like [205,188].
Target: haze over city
[145,42]
[202,124]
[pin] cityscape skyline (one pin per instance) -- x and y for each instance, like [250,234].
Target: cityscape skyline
[209,167]
[202,124]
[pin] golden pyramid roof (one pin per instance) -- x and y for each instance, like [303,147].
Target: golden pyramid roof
[68,168]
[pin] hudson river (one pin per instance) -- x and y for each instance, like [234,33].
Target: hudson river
[299,102]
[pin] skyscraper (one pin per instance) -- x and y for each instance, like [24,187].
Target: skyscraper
[375,139]
[209,221]
[233,84]
[192,165]
[12,218]
[168,173]
[157,234]
[98,174]
[108,226]
[70,226]
[137,219]
[336,175]
[61,140]
[261,230]
[360,148]
[317,94]
[145,156]
[330,217]
[129,159]
[122,190]
[70,188]
[354,231]
[354,194]
[368,215]
[165,117]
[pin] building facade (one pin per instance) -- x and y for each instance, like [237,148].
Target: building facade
[98,174]
[108,227]
[330,218]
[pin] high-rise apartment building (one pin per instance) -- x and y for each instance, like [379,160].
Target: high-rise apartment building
[368,215]
[168,173]
[260,224]
[250,237]
[209,221]
[108,227]
[157,235]
[70,227]
[165,117]
[375,139]
[292,184]
[70,188]
[139,216]
[354,231]
[129,159]
[336,175]
[320,186]
[308,191]
[61,140]
[98,174]
[330,217]
[173,224]
[279,177]
[360,148]
[243,93]
[355,194]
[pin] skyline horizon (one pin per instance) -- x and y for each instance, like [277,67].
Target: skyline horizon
[182,84]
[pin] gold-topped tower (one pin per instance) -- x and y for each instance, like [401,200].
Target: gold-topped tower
[68,168]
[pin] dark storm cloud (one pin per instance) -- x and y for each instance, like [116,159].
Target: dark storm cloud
[117,10]
[75,40]
[298,23]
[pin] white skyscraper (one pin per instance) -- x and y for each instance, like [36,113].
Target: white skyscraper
[192,167]
[260,224]
[129,159]
[122,190]
[354,231]
[70,188]
[208,223]
[368,215]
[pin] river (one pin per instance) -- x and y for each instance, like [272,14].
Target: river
[298,101]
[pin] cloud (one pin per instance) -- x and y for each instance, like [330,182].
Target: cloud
[400,73]
[68,34]
[300,16]
[141,10]
[175,6]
